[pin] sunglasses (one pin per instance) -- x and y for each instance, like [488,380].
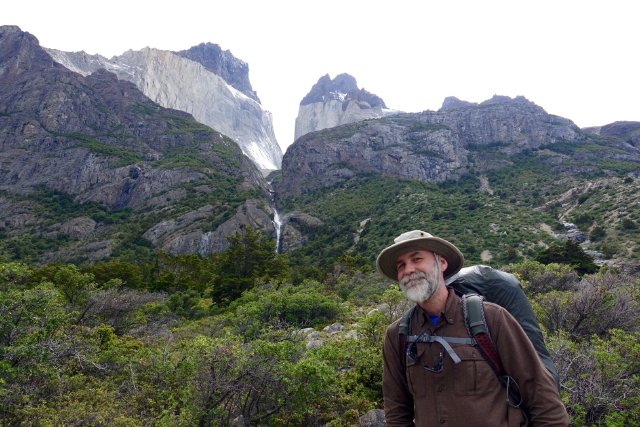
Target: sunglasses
[437,368]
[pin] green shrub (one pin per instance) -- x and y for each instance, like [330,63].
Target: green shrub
[284,306]
[569,253]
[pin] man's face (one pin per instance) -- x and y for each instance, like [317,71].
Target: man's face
[410,262]
[419,274]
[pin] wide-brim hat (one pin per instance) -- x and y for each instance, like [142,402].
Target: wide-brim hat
[414,241]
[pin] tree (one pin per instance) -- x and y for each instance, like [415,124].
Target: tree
[570,253]
[72,283]
[251,256]
[538,278]
[31,321]
[103,271]
[182,273]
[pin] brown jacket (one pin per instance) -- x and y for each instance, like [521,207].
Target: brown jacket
[468,393]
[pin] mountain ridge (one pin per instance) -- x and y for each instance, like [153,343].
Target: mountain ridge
[188,81]
[431,146]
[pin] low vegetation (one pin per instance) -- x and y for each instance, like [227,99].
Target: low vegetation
[234,338]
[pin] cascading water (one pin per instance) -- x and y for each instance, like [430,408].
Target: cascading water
[277,224]
[277,221]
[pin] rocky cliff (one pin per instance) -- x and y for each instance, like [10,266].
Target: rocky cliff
[103,143]
[628,132]
[204,81]
[335,102]
[430,146]
[222,63]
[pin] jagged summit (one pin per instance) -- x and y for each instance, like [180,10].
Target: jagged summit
[334,102]
[20,52]
[344,88]
[452,103]
[342,83]
[222,62]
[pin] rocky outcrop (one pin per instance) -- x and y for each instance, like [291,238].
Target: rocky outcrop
[428,146]
[516,124]
[76,228]
[394,146]
[203,81]
[452,103]
[191,233]
[16,216]
[373,418]
[626,131]
[335,102]
[296,228]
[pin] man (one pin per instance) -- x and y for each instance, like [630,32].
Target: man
[452,384]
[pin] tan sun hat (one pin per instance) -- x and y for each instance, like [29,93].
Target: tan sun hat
[418,240]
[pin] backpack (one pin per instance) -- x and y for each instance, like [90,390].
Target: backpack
[476,284]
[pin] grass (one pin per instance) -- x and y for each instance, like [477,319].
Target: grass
[124,157]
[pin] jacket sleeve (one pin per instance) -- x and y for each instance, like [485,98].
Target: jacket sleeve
[537,388]
[398,402]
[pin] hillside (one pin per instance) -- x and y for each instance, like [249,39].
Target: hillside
[502,179]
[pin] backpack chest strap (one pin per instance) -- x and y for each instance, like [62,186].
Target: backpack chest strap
[444,341]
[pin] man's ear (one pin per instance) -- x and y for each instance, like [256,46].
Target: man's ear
[443,263]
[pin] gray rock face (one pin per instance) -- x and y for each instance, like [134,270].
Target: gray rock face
[452,103]
[335,102]
[189,233]
[76,228]
[428,146]
[627,131]
[189,81]
[391,146]
[517,124]
[293,226]
[224,64]
[15,216]
[99,139]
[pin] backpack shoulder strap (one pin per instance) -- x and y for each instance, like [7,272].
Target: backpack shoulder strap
[404,329]
[473,308]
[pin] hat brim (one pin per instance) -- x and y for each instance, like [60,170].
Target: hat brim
[386,262]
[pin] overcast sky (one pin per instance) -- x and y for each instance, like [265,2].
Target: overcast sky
[576,59]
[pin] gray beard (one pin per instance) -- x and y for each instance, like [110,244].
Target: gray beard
[419,287]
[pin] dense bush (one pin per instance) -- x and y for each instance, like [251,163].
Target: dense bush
[601,302]
[599,377]
[77,350]
[300,306]
[538,278]
[570,253]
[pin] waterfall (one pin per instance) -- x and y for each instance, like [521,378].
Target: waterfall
[277,223]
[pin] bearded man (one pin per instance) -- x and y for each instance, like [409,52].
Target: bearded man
[446,380]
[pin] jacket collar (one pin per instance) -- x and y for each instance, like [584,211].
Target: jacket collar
[449,313]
